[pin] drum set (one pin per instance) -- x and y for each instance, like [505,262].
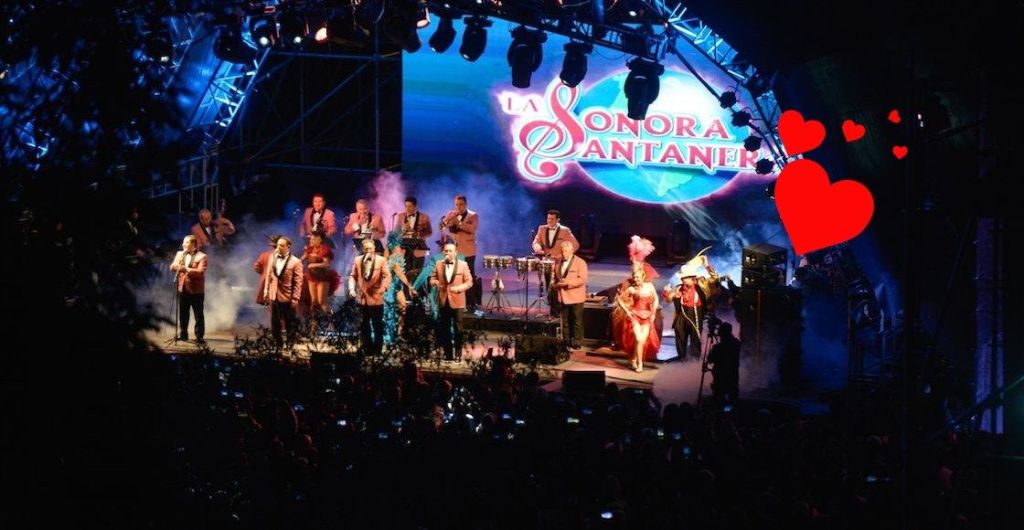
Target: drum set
[524,267]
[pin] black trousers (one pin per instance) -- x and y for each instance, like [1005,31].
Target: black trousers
[572,323]
[412,262]
[473,295]
[688,327]
[371,329]
[449,331]
[725,387]
[283,320]
[192,302]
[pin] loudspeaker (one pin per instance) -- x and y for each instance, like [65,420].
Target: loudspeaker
[679,240]
[583,381]
[761,278]
[763,255]
[597,322]
[541,349]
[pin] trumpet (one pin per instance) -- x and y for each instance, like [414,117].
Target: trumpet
[446,220]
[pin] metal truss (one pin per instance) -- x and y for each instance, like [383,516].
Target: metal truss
[648,28]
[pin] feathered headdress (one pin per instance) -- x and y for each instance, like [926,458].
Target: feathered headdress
[639,248]
[394,239]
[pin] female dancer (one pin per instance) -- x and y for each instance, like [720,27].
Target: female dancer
[395,298]
[323,280]
[637,334]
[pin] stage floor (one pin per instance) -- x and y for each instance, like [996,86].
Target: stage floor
[670,380]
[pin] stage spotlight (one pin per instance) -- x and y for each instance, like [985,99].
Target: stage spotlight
[422,14]
[369,12]
[764,167]
[741,118]
[293,29]
[158,45]
[474,39]
[444,36]
[574,66]
[727,99]
[264,30]
[230,47]
[525,54]
[769,190]
[642,85]
[752,143]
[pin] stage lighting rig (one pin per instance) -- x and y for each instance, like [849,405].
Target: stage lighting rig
[293,28]
[474,39]
[727,99]
[752,143]
[264,30]
[158,44]
[741,118]
[642,85]
[422,14]
[230,47]
[574,66]
[444,36]
[525,54]
[764,167]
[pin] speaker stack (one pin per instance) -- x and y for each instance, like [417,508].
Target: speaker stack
[769,312]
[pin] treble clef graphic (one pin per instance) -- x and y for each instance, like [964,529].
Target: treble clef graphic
[542,144]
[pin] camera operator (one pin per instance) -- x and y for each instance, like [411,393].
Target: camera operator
[724,363]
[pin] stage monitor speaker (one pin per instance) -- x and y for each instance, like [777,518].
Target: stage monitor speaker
[583,381]
[597,322]
[541,349]
[762,278]
[679,244]
[763,255]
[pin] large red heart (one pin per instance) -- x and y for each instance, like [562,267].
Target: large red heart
[852,131]
[817,213]
[799,136]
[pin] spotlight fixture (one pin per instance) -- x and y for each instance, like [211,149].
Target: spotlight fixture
[474,39]
[422,14]
[444,36]
[642,85]
[769,190]
[230,47]
[525,54]
[264,30]
[764,167]
[741,118]
[727,99]
[369,12]
[752,143]
[574,66]
[293,29]
[158,45]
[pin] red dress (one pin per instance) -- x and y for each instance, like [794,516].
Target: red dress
[318,254]
[642,308]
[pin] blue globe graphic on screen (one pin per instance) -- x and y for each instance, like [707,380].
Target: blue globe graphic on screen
[659,184]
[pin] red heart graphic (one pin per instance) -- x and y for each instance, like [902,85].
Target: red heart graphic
[817,213]
[799,136]
[852,131]
[899,151]
[894,116]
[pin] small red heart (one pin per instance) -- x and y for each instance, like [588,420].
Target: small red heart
[899,151]
[799,136]
[816,212]
[852,131]
[894,116]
